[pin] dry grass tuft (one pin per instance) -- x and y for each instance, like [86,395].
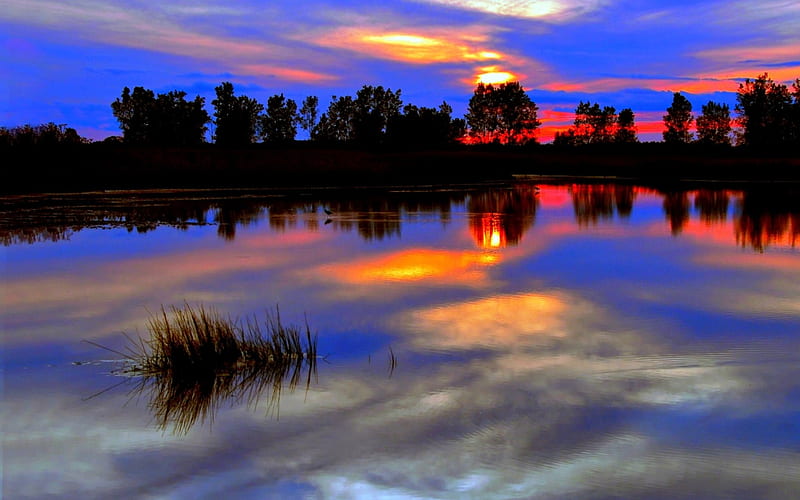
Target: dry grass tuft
[195,359]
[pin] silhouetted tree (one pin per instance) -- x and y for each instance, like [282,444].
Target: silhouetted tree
[178,122]
[45,135]
[236,118]
[765,110]
[279,122]
[678,120]
[565,138]
[795,114]
[714,124]
[308,113]
[337,124]
[422,126]
[134,112]
[504,114]
[595,125]
[626,127]
[374,108]
[163,119]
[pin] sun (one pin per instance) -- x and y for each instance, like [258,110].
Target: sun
[495,77]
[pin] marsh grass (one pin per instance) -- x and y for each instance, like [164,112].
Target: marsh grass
[196,360]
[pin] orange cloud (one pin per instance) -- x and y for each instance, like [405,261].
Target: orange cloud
[418,46]
[297,75]
[502,320]
[435,266]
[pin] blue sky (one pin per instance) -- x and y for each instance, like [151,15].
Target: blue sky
[67,61]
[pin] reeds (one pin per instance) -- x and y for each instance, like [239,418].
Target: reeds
[195,339]
[196,359]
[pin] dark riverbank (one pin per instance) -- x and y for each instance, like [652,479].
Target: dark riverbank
[108,166]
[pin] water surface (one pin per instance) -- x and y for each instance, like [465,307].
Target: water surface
[520,341]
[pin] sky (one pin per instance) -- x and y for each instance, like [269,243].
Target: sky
[67,61]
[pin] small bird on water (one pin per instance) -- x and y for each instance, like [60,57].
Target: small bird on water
[327,211]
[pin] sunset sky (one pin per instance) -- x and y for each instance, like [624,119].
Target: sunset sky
[67,61]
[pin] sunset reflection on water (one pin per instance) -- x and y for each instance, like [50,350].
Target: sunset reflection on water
[542,341]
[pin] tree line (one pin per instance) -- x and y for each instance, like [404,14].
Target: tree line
[375,115]
[768,113]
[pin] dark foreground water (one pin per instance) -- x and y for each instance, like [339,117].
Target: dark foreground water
[524,341]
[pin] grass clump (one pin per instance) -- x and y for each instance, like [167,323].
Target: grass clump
[196,359]
[195,339]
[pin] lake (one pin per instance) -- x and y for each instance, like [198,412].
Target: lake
[494,341]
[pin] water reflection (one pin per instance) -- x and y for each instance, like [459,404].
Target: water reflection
[764,219]
[497,216]
[178,402]
[594,203]
[541,354]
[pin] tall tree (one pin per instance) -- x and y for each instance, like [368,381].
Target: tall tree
[595,125]
[374,108]
[678,120]
[337,123]
[178,122]
[308,113]
[279,122]
[423,126]
[626,127]
[714,124]
[764,109]
[236,118]
[134,112]
[166,119]
[504,114]
[795,115]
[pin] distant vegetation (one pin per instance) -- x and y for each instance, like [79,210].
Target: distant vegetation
[768,114]
[374,138]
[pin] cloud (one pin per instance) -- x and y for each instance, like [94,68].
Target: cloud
[414,45]
[547,10]
[158,32]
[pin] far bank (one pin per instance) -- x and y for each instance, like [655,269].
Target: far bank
[112,166]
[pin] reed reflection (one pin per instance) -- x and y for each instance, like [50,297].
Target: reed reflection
[500,218]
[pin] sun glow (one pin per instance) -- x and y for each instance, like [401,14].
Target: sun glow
[405,40]
[495,77]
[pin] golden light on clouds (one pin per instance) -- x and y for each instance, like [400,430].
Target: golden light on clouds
[424,46]
[499,320]
[415,265]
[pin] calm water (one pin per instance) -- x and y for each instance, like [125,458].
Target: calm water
[550,341]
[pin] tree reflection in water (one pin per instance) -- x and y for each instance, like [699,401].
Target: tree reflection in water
[763,219]
[497,216]
[596,202]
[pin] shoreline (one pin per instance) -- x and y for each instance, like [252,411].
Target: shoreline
[101,167]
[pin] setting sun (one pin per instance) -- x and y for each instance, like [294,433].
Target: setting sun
[495,77]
